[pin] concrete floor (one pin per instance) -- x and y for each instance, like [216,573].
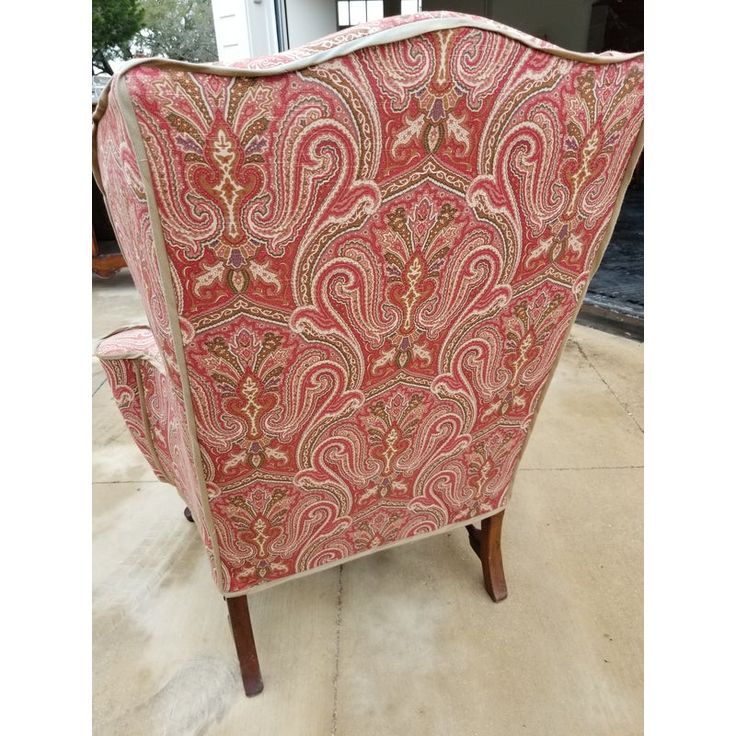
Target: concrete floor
[405,641]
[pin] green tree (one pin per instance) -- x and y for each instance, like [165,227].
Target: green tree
[114,23]
[178,29]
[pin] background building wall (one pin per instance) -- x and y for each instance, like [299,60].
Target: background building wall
[244,28]
[309,20]
[563,22]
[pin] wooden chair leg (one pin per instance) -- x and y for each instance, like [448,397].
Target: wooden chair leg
[486,543]
[245,645]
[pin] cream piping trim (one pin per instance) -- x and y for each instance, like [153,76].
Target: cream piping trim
[131,123]
[133,355]
[384,36]
[365,553]
[124,328]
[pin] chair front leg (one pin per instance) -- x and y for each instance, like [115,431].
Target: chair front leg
[486,543]
[245,645]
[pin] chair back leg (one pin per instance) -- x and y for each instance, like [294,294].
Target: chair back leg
[245,645]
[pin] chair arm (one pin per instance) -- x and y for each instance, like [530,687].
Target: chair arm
[135,342]
[140,385]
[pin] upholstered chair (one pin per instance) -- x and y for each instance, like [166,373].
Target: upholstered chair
[359,261]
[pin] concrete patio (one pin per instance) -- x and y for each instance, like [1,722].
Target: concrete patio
[405,641]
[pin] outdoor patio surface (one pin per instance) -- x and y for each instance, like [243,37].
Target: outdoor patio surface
[405,641]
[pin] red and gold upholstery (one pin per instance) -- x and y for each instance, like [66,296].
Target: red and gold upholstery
[359,261]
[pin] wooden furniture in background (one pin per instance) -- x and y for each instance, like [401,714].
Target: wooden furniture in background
[105,264]
[107,259]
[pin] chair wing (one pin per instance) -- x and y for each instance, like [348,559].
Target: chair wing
[360,261]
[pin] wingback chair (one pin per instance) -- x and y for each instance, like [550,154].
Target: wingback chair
[359,261]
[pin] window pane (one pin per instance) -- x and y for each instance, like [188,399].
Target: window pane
[343,16]
[375,9]
[409,6]
[357,11]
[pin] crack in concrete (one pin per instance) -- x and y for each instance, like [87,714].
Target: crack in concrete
[589,467]
[623,404]
[99,387]
[338,625]
[113,482]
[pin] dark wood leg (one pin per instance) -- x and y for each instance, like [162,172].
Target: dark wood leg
[245,645]
[188,514]
[486,543]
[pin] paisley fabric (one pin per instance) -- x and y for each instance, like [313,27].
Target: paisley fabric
[359,274]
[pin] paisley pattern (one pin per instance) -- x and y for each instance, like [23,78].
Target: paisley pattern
[359,275]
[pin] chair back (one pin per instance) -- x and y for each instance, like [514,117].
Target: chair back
[360,261]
